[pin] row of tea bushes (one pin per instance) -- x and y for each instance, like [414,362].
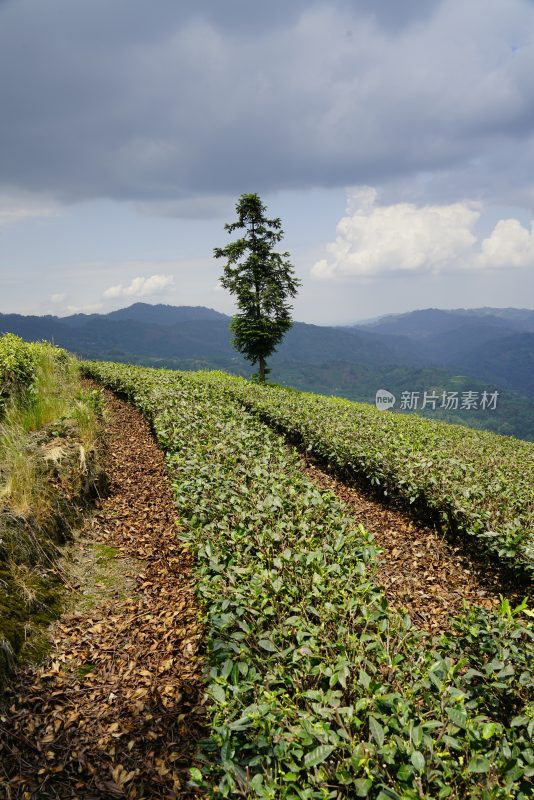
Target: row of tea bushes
[473,482]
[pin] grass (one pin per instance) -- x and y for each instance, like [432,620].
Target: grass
[100,573]
[105,552]
[49,440]
[54,396]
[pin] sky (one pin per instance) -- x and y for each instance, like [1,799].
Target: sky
[395,140]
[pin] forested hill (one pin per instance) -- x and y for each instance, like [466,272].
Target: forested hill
[199,334]
[495,344]
[427,350]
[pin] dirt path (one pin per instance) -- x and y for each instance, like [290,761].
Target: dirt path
[419,569]
[116,710]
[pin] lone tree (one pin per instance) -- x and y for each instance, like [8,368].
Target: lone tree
[262,281]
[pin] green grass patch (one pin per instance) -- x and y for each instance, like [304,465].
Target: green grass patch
[105,551]
[49,431]
[86,669]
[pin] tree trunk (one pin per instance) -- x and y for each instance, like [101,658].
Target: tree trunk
[262,370]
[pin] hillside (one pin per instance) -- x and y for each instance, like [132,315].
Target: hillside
[194,333]
[488,343]
[293,596]
[315,681]
[432,321]
[428,350]
[157,314]
[50,465]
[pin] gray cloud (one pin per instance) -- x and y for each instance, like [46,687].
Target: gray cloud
[171,103]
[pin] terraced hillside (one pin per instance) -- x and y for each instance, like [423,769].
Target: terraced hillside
[318,688]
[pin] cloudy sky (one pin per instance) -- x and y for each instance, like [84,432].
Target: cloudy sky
[394,139]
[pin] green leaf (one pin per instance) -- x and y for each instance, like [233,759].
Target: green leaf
[362,787]
[452,742]
[405,772]
[517,721]
[364,679]
[418,760]
[257,783]
[377,730]
[217,692]
[318,755]
[195,774]
[489,730]
[417,735]
[266,644]
[227,668]
[240,724]
[479,764]
[457,717]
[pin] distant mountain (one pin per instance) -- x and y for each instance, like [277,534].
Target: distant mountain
[495,344]
[522,318]
[158,314]
[429,349]
[415,324]
[194,333]
[434,321]
[508,362]
[469,334]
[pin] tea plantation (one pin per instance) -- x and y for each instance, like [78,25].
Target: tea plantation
[317,689]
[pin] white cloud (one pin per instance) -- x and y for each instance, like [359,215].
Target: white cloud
[140,287]
[20,206]
[509,245]
[59,297]
[90,308]
[373,240]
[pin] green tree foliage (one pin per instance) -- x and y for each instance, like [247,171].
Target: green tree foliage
[261,279]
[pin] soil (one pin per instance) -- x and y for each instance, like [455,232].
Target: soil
[116,709]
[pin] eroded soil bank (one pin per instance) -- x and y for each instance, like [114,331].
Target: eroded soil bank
[116,710]
[44,497]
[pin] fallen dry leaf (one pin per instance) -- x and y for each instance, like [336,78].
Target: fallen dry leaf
[117,709]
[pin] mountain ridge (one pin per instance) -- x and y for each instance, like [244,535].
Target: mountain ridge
[428,349]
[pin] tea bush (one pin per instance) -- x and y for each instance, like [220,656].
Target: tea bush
[17,366]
